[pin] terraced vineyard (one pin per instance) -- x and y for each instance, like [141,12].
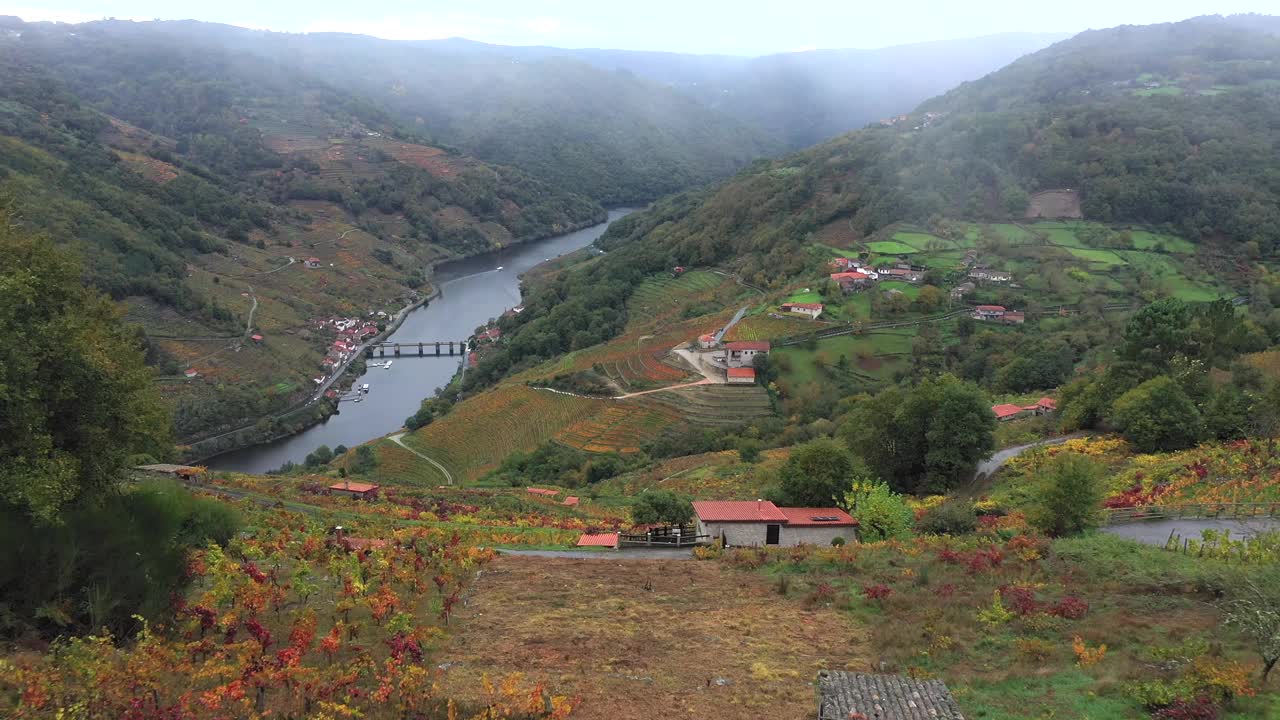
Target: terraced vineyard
[476,436]
[764,327]
[642,370]
[718,405]
[622,427]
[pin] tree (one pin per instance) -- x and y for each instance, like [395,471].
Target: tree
[881,513]
[816,475]
[1255,611]
[661,507]
[1156,334]
[77,404]
[923,439]
[749,450]
[1158,415]
[1071,496]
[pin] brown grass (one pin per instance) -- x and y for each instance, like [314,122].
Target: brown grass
[589,629]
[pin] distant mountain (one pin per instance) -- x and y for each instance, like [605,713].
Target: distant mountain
[801,98]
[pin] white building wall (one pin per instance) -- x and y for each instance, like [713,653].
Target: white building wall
[735,533]
[817,535]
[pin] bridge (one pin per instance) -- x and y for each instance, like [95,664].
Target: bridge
[426,348]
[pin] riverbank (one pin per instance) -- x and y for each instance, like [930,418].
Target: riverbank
[468,294]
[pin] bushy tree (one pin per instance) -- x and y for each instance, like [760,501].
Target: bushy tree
[1158,415]
[881,513]
[953,517]
[815,475]
[927,438]
[77,404]
[1071,495]
[1255,611]
[661,507]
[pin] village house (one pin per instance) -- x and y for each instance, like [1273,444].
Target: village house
[850,281]
[988,312]
[743,353]
[312,262]
[1014,317]
[190,373]
[813,310]
[760,522]
[707,342]
[363,491]
[958,292]
[901,273]
[846,695]
[490,335]
[741,376]
[1009,411]
[988,275]
[844,263]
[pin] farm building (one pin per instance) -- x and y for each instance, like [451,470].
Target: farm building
[907,274]
[256,338]
[850,281]
[741,376]
[958,292]
[190,373]
[844,263]
[986,275]
[989,312]
[1014,317]
[364,491]
[843,695]
[313,262]
[1006,411]
[743,353]
[706,342]
[1009,411]
[813,310]
[760,522]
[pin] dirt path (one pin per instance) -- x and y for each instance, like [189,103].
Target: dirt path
[704,381]
[398,439]
[645,639]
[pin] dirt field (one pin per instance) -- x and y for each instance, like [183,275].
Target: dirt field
[706,641]
[1055,204]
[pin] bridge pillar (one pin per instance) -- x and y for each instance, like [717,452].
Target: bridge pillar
[368,352]
[419,349]
[437,349]
[382,351]
[397,349]
[450,347]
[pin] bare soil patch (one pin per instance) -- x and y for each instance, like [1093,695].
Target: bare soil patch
[870,364]
[649,638]
[1055,204]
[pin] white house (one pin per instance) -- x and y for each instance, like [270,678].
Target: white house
[987,275]
[760,522]
[813,310]
[706,342]
[743,353]
[988,312]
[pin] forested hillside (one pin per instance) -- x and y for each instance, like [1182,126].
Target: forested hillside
[610,136]
[194,183]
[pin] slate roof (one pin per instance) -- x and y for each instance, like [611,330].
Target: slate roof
[883,697]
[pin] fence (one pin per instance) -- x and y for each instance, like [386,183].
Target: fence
[1227,511]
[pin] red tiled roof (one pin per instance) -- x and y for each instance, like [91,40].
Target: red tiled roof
[356,487]
[1047,402]
[802,517]
[599,540]
[806,306]
[748,345]
[706,338]
[1006,410]
[742,373]
[848,276]
[738,511]
[990,308]
[541,491]
[571,500]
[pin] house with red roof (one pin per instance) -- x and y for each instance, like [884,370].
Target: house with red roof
[989,312]
[707,342]
[850,281]
[364,491]
[760,522]
[741,376]
[743,352]
[609,540]
[1007,411]
[813,310]
[543,492]
[313,262]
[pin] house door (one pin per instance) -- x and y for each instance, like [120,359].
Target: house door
[771,533]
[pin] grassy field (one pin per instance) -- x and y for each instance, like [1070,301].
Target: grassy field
[873,356]
[1094,255]
[891,247]
[649,638]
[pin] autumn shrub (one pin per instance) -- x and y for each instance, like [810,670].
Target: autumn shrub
[1201,708]
[950,518]
[820,596]
[1069,608]
[1037,649]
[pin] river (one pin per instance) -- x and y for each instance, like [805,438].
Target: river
[471,292]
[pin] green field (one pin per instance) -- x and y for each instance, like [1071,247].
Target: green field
[1143,240]
[891,247]
[1093,255]
[872,357]
[907,288]
[1011,232]
[804,297]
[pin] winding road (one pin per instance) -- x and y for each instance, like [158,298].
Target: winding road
[987,467]
[398,439]
[1157,532]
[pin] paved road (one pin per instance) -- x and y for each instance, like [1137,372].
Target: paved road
[1156,532]
[734,321]
[397,440]
[629,554]
[997,461]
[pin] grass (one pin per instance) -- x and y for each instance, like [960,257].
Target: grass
[804,297]
[872,356]
[1094,255]
[636,639]
[891,247]
[1143,240]
[1163,90]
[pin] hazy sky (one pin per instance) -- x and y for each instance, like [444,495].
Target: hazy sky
[742,27]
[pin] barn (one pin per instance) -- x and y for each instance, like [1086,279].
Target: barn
[760,522]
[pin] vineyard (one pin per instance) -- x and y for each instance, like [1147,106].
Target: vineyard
[718,405]
[721,475]
[640,371]
[767,327]
[622,427]
[663,295]
[476,436]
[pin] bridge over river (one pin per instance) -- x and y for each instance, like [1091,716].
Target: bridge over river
[425,348]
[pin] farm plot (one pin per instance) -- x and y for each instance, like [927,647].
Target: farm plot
[663,296]
[622,427]
[765,327]
[584,628]
[476,436]
[891,247]
[1143,240]
[1095,255]
[642,370]
[718,405]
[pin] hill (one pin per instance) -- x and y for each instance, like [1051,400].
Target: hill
[195,183]
[612,136]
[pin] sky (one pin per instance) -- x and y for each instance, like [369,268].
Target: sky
[736,27]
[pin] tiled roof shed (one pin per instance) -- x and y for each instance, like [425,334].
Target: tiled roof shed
[842,695]
[738,511]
